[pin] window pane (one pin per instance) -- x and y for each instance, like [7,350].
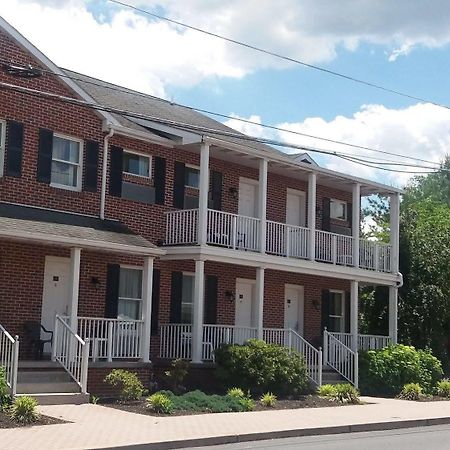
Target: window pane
[66,150]
[192,177]
[338,210]
[335,304]
[65,174]
[130,283]
[335,324]
[128,309]
[187,295]
[136,164]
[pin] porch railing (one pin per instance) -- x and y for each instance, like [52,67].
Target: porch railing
[287,240]
[71,352]
[334,248]
[365,341]
[112,338]
[182,227]
[375,255]
[340,357]
[175,341]
[9,358]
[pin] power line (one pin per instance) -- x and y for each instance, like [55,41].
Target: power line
[280,56]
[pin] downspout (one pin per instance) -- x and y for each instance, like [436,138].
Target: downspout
[104,171]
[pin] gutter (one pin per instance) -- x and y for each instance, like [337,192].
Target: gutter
[105,169]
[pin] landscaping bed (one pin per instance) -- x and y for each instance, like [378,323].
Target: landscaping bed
[7,422]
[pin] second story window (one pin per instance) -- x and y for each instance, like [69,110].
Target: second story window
[136,164]
[192,177]
[338,210]
[66,163]
[2,146]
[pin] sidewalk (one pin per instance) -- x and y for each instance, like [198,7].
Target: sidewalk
[95,426]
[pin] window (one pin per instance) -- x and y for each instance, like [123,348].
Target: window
[192,177]
[187,298]
[136,164]
[336,313]
[2,145]
[66,163]
[338,210]
[130,294]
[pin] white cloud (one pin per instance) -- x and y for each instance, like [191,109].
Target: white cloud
[251,129]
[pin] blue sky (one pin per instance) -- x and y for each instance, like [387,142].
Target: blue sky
[403,45]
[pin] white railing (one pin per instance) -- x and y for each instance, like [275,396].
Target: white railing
[340,357]
[365,341]
[112,338]
[71,352]
[233,231]
[287,240]
[375,255]
[175,341]
[182,227]
[334,248]
[9,358]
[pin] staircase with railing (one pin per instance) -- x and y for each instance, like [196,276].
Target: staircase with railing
[9,358]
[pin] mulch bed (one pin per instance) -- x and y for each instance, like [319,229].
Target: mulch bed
[7,422]
[307,401]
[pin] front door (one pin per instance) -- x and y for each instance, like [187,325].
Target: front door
[247,229]
[55,297]
[293,308]
[244,313]
[296,215]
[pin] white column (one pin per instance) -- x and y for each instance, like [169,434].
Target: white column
[74,287]
[262,204]
[393,312]
[203,195]
[395,230]
[197,322]
[312,182]
[259,301]
[356,218]
[147,290]
[354,314]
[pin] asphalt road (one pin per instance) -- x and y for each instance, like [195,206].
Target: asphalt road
[426,438]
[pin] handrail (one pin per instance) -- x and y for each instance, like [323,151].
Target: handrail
[71,352]
[9,358]
[365,341]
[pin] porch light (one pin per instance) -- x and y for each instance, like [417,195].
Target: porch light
[230,296]
[95,282]
[233,192]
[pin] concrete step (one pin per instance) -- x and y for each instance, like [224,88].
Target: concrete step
[59,398]
[47,388]
[43,376]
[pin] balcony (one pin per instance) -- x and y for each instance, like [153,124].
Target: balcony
[242,233]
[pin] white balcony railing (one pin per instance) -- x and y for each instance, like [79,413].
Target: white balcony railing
[9,357]
[365,341]
[181,227]
[375,255]
[287,240]
[334,248]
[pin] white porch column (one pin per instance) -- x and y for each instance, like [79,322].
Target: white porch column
[203,195]
[354,288]
[393,313]
[259,301]
[356,218]
[262,204]
[147,290]
[197,322]
[312,182]
[395,230]
[74,287]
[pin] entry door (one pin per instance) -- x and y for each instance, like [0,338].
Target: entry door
[247,198]
[244,313]
[294,308]
[296,215]
[55,297]
[247,229]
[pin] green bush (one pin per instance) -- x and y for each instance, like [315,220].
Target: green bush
[160,403]
[340,393]
[386,371]
[177,373]
[326,390]
[24,410]
[262,367]
[443,388]
[247,403]
[5,398]
[236,392]
[128,383]
[411,391]
[268,400]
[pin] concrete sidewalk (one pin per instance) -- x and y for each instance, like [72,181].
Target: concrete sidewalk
[95,426]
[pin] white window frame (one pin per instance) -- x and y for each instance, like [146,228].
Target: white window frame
[2,146]
[342,316]
[192,166]
[192,275]
[141,269]
[150,164]
[342,202]
[78,187]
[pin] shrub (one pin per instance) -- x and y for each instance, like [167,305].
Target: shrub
[236,392]
[24,410]
[345,393]
[411,391]
[386,371]
[129,384]
[268,400]
[262,367]
[443,388]
[247,403]
[177,373]
[326,390]
[160,403]
[5,398]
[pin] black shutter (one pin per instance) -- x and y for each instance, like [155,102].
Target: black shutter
[216,182]
[178,185]
[44,163]
[325,309]
[347,313]
[350,214]
[155,301]
[115,171]
[14,147]
[112,291]
[326,214]
[175,297]
[211,291]
[91,169]
[160,180]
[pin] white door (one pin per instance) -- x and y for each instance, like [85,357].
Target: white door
[55,297]
[247,229]
[294,308]
[296,244]
[247,198]
[244,312]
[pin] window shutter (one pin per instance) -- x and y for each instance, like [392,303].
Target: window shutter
[155,301]
[115,171]
[347,313]
[160,180]
[326,214]
[216,182]
[178,185]
[44,163]
[14,147]
[325,309]
[350,214]
[91,168]
[112,291]
[175,297]
[211,292]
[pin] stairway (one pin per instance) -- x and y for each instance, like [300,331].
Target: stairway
[48,383]
[330,376]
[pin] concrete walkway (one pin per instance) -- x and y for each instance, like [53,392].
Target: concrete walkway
[95,426]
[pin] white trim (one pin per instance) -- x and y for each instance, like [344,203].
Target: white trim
[150,164]
[2,146]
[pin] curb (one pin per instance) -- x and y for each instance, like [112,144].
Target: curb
[318,431]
